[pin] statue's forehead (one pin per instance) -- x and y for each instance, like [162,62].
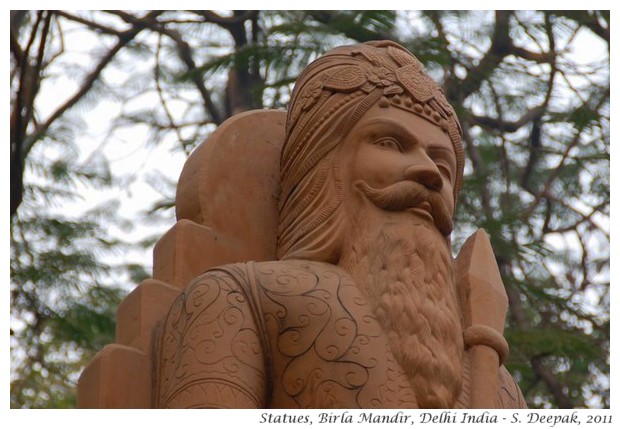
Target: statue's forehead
[391,120]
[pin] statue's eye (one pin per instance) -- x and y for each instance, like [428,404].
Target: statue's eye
[389,143]
[444,170]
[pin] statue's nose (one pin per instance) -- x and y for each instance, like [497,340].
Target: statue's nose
[427,174]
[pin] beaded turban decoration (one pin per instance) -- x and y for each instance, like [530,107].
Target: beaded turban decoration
[330,97]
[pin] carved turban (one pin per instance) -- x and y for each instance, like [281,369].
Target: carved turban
[329,98]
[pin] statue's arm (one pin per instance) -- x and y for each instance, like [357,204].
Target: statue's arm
[211,352]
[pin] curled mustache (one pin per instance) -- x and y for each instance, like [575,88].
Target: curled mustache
[407,194]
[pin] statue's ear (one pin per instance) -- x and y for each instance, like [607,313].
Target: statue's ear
[231,183]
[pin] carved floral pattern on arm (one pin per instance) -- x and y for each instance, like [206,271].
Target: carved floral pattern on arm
[327,350]
[211,354]
[292,334]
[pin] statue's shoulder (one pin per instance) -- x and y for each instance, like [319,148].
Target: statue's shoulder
[211,354]
[302,285]
[253,287]
[300,273]
[290,276]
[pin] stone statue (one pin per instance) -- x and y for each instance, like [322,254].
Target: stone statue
[357,301]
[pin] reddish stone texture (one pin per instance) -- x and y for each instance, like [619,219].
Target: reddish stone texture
[310,266]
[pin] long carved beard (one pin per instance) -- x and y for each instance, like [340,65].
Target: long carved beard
[404,269]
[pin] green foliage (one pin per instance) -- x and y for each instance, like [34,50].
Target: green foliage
[63,296]
[62,307]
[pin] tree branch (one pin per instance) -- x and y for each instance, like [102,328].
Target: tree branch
[160,93]
[498,124]
[538,57]
[479,170]
[583,217]
[102,29]
[590,21]
[185,53]
[87,84]
[544,192]
[500,47]
[435,17]
[552,383]
[18,123]
[226,22]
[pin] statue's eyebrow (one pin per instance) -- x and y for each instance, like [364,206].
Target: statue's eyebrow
[440,148]
[394,126]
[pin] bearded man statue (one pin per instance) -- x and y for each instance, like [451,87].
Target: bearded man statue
[363,307]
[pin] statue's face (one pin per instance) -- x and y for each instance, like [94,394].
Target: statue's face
[390,146]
